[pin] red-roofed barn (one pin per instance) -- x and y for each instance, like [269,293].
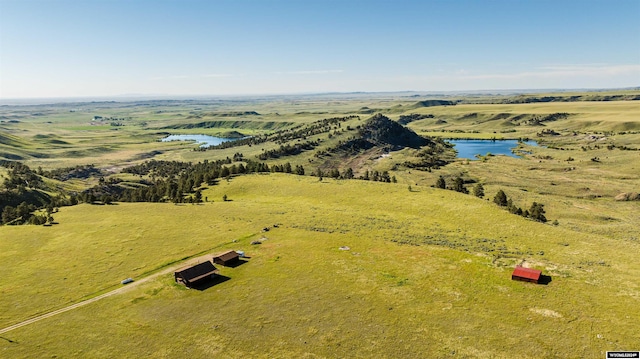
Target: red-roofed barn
[526,274]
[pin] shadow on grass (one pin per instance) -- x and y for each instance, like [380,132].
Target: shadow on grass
[9,340]
[544,279]
[211,283]
[237,263]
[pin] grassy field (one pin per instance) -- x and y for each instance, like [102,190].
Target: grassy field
[427,274]
[428,270]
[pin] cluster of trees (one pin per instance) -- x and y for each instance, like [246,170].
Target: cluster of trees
[20,177]
[459,186]
[248,141]
[23,214]
[299,132]
[437,155]
[350,146]
[378,177]
[536,212]
[178,182]
[348,174]
[547,132]
[539,120]
[314,128]
[160,168]
[287,168]
[64,174]
[288,150]
[22,193]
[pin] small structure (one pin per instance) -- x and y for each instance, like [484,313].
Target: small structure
[526,274]
[190,276]
[227,258]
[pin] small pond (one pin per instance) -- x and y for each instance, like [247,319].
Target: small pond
[470,148]
[203,140]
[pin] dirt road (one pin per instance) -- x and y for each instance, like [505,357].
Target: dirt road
[122,289]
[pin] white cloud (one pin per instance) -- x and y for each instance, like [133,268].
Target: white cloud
[308,72]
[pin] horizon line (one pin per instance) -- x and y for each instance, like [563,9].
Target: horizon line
[112,98]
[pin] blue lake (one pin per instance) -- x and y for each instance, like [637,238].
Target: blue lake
[203,140]
[470,148]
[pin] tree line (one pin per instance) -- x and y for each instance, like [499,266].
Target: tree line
[288,150]
[299,132]
[377,176]
[178,182]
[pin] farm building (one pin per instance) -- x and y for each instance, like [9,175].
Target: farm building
[190,276]
[526,274]
[227,259]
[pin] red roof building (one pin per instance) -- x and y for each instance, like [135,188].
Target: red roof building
[526,274]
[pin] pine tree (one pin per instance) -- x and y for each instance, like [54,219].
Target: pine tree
[478,190]
[348,173]
[500,199]
[537,212]
[458,185]
[441,183]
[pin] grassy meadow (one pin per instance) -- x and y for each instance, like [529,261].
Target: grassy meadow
[427,272]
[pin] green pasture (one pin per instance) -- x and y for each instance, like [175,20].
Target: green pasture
[427,274]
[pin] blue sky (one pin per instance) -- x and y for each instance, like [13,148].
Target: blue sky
[58,48]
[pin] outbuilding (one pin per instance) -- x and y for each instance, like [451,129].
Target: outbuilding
[227,259]
[526,274]
[190,276]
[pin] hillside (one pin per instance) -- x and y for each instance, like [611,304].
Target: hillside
[409,285]
[431,103]
[363,257]
[381,131]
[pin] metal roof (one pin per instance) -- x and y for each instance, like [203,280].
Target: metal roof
[528,273]
[196,272]
[227,256]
